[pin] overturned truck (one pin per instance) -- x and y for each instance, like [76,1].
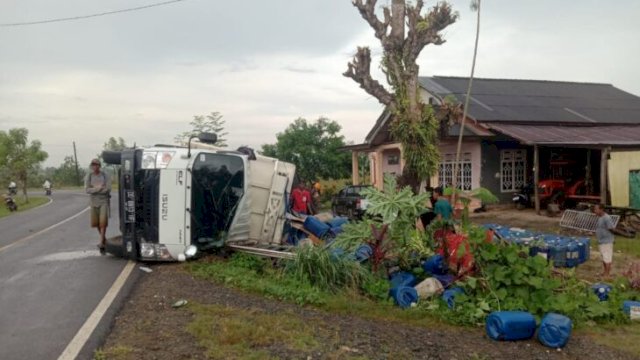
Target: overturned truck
[175,202]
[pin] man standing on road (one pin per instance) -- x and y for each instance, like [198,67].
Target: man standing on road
[98,184]
[605,237]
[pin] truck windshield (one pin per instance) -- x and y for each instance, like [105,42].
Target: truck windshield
[217,187]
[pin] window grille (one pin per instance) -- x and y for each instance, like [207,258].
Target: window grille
[513,170]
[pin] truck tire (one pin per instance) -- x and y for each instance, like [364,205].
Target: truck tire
[112,157]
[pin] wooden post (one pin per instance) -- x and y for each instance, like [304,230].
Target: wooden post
[604,160]
[355,168]
[379,171]
[536,177]
[75,158]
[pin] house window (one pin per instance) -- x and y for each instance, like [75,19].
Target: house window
[446,167]
[513,170]
[393,160]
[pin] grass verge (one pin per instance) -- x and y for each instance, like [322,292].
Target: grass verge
[628,246]
[272,283]
[34,201]
[115,353]
[619,337]
[247,334]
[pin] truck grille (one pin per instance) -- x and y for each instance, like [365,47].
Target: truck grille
[148,191]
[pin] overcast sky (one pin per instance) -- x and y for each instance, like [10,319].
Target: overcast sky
[143,75]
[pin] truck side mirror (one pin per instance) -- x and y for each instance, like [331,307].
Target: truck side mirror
[208,138]
[204,137]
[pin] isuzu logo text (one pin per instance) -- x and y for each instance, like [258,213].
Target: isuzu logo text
[165,206]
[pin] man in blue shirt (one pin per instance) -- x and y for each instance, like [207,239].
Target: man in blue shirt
[605,237]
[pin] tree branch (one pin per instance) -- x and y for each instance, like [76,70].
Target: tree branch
[359,69]
[367,10]
[425,30]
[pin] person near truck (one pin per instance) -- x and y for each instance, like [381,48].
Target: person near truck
[604,235]
[97,184]
[300,199]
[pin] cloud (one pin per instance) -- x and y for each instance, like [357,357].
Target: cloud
[143,75]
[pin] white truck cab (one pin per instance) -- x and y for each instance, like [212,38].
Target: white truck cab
[177,200]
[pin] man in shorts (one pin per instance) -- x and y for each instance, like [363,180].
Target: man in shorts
[605,237]
[98,184]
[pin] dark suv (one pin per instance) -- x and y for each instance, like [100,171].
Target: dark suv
[349,202]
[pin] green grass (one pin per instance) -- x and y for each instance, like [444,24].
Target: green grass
[628,246]
[275,284]
[230,333]
[118,352]
[619,337]
[34,201]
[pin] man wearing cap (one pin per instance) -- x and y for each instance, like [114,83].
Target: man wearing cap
[98,184]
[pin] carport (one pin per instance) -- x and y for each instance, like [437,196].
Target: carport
[622,142]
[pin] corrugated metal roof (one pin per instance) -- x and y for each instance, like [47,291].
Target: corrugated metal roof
[621,135]
[536,101]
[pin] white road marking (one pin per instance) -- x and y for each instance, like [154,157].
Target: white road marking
[67,255]
[43,230]
[78,341]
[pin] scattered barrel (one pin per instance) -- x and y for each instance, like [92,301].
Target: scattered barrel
[404,296]
[510,325]
[555,330]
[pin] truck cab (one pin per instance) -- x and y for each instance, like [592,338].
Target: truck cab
[175,201]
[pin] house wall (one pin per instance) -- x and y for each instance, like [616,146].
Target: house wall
[391,155]
[619,165]
[471,146]
[491,170]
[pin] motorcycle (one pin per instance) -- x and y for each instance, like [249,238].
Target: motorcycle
[11,205]
[47,191]
[523,199]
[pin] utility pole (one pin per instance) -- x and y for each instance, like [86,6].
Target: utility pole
[75,156]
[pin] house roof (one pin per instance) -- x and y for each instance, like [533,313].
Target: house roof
[539,102]
[618,135]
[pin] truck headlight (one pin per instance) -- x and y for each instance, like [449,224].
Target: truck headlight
[147,250]
[156,159]
[154,252]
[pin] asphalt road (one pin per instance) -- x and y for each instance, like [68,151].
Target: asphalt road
[52,277]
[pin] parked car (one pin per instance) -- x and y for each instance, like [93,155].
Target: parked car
[349,202]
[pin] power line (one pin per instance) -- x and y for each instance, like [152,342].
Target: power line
[89,16]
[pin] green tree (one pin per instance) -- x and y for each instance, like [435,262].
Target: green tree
[115,144]
[313,148]
[19,157]
[211,123]
[66,174]
[403,32]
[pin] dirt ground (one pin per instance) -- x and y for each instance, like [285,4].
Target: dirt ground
[148,327]
[528,219]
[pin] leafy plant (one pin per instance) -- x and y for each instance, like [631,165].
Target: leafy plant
[376,288]
[250,262]
[353,234]
[397,207]
[465,197]
[509,279]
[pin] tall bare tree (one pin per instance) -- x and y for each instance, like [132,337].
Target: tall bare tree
[404,30]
